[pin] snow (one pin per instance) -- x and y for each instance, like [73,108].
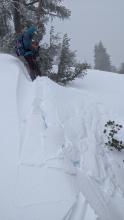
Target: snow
[53,159]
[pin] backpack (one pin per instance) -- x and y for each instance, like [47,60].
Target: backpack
[19,46]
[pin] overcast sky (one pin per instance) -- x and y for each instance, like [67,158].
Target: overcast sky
[92,21]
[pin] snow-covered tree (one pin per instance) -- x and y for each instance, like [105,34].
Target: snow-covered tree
[67,58]
[121,69]
[68,68]
[24,13]
[102,59]
[114,69]
[33,11]
[60,56]
[49,53]
[5,15]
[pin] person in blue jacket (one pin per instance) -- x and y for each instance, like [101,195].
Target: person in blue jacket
[31,51]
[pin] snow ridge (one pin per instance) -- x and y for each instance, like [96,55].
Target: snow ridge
[53,161]
[58,137]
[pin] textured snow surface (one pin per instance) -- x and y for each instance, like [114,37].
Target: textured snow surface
[53,160]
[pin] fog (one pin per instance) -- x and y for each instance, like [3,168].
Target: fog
[92,21]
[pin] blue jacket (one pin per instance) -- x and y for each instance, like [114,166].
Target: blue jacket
[27,40]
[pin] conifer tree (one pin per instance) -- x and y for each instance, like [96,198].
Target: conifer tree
[67,58]
[24,13]
[33,11]
[68,68]
[102,59]
[5,15]
[121,70]
[49,53]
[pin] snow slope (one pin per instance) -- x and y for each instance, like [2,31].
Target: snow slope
[53,162]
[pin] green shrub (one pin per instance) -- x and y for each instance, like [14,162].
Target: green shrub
[111,131]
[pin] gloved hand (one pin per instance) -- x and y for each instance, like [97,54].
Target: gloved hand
[35,49]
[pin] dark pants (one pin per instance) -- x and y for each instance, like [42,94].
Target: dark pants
[33,66]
